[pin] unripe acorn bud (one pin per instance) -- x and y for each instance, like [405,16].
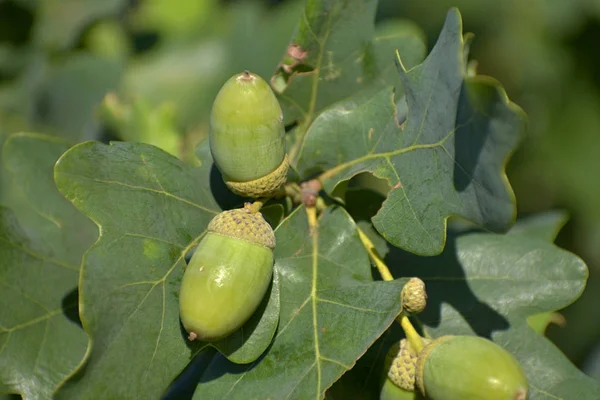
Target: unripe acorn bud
[469,368]
[247,136]
[228,275]
[414,297]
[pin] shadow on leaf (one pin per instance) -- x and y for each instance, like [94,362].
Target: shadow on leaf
[70,306]
[223,196]
[470,137]
[446,282]
[444,276]
[184,385]
[207,366]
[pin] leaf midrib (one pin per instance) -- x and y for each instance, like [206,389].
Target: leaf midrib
[329,174]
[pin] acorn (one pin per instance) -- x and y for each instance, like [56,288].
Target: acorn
[228,274]
[469,368]
[247,136]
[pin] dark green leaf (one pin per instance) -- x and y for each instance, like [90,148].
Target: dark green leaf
[331,312]
[152,210]
[544,225]
[273,214]
[446,159]
[41,245]
[338,52]
[489,284]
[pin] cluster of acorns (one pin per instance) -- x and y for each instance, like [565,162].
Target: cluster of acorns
[449,367]
[232,266]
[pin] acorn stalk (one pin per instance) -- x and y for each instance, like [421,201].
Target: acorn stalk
[228,274]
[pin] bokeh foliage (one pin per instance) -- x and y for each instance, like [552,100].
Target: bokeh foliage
[164,63]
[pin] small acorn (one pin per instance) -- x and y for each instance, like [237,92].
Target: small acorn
[228,274]
[469,368]
[414,296]
[247,136]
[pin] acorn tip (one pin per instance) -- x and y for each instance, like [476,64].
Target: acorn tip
[246,76]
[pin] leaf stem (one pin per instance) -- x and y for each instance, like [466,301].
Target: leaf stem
[413,337]
[384,271]
[291,189]
[311,213]
[320,204]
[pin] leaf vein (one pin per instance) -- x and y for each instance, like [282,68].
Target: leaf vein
[39,256]
[313,295]
[143,188]
[330,360]
[366,310]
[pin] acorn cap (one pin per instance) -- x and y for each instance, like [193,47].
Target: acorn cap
[402,361]
[245,224]
[469,368]
[414,296]
[261,187]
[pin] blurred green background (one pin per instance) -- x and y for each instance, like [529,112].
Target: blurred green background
[163,61]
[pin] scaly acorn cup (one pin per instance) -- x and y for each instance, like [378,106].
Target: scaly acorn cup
[247,136]
[469,368]
[402,365]
[414,297]
[400,369]
[228,275]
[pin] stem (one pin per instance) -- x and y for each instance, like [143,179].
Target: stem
[257,205]
[291,189]
[320,204]
[370,247]
[413,337]
[311,213]
[415,340]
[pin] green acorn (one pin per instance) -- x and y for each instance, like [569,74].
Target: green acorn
[247,136]
[228,275]
[469,368]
